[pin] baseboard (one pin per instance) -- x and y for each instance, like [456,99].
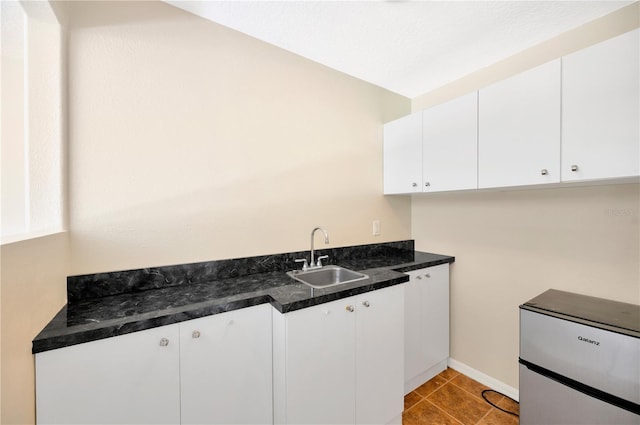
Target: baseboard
[485,379]
[396,421]
[415,382]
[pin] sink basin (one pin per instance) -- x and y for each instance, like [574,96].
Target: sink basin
[327,276]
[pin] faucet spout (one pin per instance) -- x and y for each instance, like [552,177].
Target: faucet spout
[313,253]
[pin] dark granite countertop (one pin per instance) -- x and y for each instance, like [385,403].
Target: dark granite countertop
[96,316]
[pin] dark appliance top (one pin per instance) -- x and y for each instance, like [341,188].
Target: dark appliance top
[599,312]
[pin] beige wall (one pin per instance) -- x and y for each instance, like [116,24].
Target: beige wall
[33,290]
[32,125]
[190,141]
[615,23]
[32,272]
[510,246]
[513,245]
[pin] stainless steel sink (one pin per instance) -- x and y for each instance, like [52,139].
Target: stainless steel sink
[327,276]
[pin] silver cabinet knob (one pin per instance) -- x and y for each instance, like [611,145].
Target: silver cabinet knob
[350,308]
[427,184]
[427,275]
[414,184]
[544,172]
[419,277]
[574,168]
[164,342]
[366,304]
[195,334]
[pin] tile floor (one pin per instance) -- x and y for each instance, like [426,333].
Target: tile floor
[452,398]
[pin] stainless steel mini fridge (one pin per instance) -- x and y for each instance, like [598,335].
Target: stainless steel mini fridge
[579,360]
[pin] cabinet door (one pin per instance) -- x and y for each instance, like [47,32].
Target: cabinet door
[450,145]
[519,129]
[320,357]
[600,112]
[436,318]
[379,355]
[415,347]
[426,324]
[128,379]
[403,155]
[225,368]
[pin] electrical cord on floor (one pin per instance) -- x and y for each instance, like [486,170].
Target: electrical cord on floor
[498,407]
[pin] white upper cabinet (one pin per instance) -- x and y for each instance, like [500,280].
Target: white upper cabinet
[600,113]
[572,119]
[450,145]
[519,129]
[403,155]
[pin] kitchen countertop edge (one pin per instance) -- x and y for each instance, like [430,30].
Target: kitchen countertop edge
[57,334]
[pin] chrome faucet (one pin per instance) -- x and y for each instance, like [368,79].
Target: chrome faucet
[313,264]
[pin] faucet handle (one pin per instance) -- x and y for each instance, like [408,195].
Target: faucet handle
[305,265]
[320,258]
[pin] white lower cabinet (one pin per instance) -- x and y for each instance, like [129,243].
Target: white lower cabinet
[225,368]
[213,370]
[341,362]
[336,363]
[129,379]
[426,325]
[379,355]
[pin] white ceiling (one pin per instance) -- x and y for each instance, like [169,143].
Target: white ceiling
[408,47]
